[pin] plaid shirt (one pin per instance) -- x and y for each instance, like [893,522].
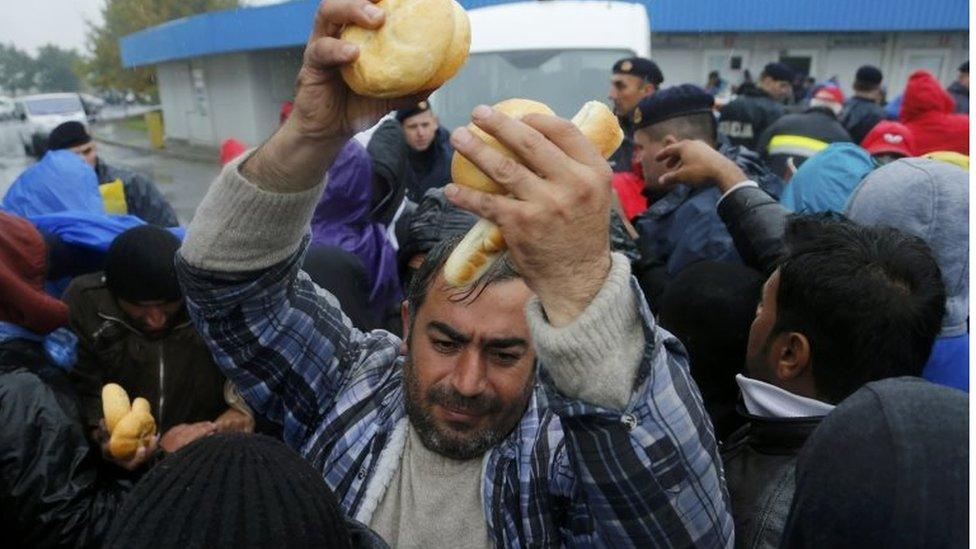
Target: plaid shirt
[570,473]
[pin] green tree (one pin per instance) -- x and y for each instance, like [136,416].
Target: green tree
[16,70]
[55,69]
[123,17]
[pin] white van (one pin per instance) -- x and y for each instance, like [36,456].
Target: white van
[39,114]
[559,52]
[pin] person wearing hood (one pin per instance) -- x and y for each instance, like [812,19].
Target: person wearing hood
[888,141]
[123,191]
[342,219]
[959,89]
[796,137]
[825,181]
[929,199]
[929,111]
[844,304]
[681,226]
[744,119]
[887,468]
[863,111]
[61,181]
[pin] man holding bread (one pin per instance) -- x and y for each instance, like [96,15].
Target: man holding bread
[541,407]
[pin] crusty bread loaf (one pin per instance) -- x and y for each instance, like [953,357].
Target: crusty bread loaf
[463,172]
[415,50]
[115,404]
[484,243]
[131,432]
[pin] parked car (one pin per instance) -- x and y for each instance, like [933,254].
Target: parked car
[39,114]
[93,105]
[6,108]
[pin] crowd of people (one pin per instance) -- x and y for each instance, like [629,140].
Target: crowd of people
[749,327]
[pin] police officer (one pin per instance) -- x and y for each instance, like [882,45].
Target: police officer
[745,118]
[633,79]
[863,111]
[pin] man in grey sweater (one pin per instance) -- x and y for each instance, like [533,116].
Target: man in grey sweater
[543,408]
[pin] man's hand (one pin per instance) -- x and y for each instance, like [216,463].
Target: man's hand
[185,433]
[235,421]
[693,162]
[100,434]
[557,220]
[326,112]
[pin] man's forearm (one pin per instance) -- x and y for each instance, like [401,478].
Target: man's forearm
[596,357]
[289,162]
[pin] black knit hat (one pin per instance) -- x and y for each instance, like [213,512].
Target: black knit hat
[67,135]
[683,100]
[638,66]
[779,71]
[870,75]
[139,265]
[235,491]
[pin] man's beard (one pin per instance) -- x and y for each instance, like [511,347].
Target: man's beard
[447,442]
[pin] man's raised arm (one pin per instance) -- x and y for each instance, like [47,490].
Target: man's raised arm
[281,340]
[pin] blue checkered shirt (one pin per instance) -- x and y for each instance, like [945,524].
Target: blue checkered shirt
[571,473]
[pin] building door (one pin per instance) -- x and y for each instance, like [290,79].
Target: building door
[933,60]
[198,117]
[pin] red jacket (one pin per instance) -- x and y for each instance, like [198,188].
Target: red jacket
[927,110]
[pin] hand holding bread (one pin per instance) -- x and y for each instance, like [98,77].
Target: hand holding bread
[130,426]
[553,213]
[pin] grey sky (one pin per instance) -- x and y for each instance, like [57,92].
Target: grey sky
[29,24]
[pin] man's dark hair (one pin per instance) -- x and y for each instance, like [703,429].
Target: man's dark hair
[433,264]
[694,126]
[869,299]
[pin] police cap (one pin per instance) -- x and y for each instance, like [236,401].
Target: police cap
[683,100]
[640,67]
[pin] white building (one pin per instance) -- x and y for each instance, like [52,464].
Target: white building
[225,74]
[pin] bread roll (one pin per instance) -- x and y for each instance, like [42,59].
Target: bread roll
[457,52]
[463,172]
[484,243]
[420,46]
[131,432]
[115,404]
[142,405]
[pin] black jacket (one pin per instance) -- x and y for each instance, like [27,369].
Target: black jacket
[860,116]
[744,119]
[960,94]
[757,223]
[621,158]
[142,197]
[759,461]
[52,491]
[816,123]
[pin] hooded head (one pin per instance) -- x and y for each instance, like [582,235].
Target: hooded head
[886,468]
[929,199]
[60,182]
[924,95]
[826,180]
[23,266]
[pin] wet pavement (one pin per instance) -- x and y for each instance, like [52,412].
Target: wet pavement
[183,182]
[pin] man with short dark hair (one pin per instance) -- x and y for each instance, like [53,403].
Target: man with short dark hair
[633,79]
[123,191]
[863,111]
[411,154]
[757,107]
[502,418]
[681,227]
[959,89]
[843,305]
[133,330]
